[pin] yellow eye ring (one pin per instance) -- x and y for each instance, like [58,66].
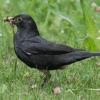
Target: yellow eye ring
[19,19]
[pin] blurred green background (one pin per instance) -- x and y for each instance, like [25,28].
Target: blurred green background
[72,22]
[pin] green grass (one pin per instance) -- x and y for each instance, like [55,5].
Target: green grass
[61,21]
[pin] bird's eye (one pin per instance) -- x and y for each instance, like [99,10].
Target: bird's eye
[19,19]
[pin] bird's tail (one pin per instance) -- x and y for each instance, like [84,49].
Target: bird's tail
[95,54]
[78,56]
[83,55]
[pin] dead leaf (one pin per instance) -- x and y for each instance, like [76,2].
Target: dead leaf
[98,9]
[56,90]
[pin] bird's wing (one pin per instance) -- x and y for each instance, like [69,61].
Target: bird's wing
[42,46]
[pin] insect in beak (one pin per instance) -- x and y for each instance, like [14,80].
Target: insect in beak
[9,20]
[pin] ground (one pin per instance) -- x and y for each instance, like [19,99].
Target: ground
[68,22]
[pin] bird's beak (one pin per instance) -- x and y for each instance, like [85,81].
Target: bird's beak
[9,20]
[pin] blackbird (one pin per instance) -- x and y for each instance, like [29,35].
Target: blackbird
[37,52]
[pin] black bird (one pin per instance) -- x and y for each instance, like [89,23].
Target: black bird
[37,52]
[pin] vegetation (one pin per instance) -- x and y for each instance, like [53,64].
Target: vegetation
[72,22]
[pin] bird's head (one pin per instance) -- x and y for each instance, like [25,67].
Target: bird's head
[22,21]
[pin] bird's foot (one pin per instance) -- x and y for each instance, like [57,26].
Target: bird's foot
[46,78]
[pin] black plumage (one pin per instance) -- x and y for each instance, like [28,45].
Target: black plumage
[39,53]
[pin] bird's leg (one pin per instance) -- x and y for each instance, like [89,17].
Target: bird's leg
[46,77]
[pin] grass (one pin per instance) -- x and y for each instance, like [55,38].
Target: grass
[62,22]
